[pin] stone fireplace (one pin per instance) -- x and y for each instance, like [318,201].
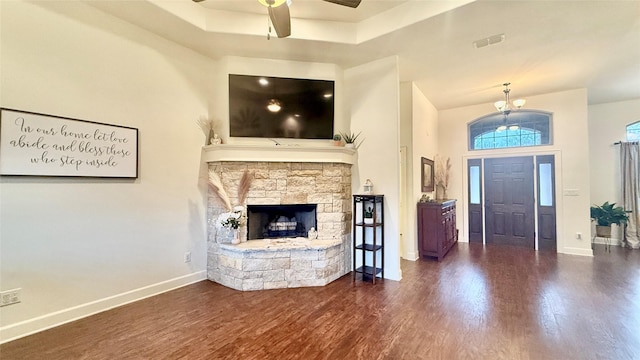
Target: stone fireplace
[284,193]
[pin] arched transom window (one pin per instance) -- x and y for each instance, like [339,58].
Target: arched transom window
[518,129]
[633,131]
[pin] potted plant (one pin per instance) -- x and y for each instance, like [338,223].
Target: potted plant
[606,214]
[350,140]
[337,140]
[368,215]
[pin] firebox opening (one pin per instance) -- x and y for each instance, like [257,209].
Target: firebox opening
[280,221]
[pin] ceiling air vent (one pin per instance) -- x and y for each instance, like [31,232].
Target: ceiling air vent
[491,40]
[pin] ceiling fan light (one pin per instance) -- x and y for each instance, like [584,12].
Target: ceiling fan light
[514,127]
[500,105]
[519,103]
[502,128]
[272,3]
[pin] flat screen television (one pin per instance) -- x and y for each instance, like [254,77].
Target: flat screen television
[274,107]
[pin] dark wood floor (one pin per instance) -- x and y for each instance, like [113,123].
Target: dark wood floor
[478,303]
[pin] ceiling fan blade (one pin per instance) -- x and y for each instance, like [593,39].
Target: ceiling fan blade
[281,20]
[197,1]
[349,3]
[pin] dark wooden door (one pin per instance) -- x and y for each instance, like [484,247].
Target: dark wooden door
[509,201]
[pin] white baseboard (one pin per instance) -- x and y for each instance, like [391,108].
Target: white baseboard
[411,256]
[389,274]
[577,251]
[48,321]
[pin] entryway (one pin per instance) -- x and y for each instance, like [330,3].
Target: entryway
[511,197]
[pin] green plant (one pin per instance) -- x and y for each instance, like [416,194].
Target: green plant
[368,213]
[607,214]
[350,138]
[337,137]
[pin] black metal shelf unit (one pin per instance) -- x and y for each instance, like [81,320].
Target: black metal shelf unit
[368,236]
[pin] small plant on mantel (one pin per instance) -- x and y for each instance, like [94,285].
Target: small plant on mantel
[351,139]
[337,140]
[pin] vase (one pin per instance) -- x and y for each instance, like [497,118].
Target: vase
[603,231]
[236,237]
[243,234]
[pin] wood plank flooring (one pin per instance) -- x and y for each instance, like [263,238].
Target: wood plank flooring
[478,303]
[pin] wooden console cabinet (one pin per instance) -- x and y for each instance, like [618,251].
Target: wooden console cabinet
[436,228]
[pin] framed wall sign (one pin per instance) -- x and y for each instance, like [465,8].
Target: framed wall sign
[44,145]
[427,175]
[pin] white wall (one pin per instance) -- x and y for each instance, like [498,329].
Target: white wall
[419,132]
[77,246]
[607,125]
[570,147]
[372,92]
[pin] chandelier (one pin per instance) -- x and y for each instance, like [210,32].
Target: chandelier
[506,106]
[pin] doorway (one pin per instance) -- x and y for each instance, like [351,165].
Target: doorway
[509,198]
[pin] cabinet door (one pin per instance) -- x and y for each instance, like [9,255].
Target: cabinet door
[422,230]
[429,230]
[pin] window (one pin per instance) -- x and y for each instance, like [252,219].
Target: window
[474,184]
[507,138]
[633,131]
[545,184]
[521,128]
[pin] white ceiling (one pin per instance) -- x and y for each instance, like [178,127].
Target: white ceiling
[550,45]
[310,9]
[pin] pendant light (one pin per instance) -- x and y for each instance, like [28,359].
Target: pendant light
[506,106]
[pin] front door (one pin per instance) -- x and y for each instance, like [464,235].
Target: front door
[509,201]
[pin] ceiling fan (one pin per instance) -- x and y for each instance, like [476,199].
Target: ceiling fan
[279,13]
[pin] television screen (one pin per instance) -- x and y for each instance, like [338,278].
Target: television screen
[273,107]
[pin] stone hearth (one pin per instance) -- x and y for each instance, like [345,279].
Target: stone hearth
[243,267]
[269,264]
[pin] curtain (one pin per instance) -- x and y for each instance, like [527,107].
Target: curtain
[630,171]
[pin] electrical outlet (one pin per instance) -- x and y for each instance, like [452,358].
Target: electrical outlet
[578,235]
[187,256]
[10,297]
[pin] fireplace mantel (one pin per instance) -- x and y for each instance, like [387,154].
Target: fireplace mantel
[279,153]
